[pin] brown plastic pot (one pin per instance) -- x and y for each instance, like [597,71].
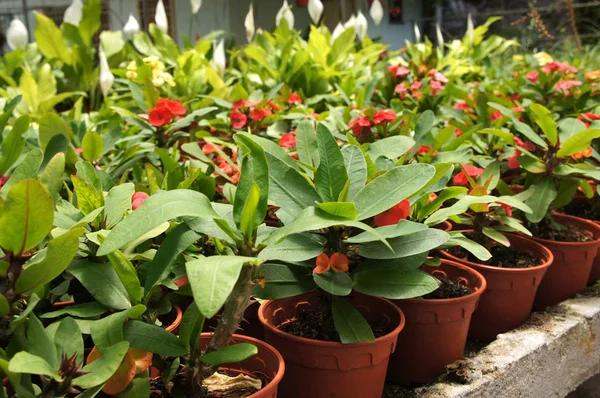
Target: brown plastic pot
[178,317]
[436,330]
[595,273]
[268,361]
[570,271]
[325,369]
[508,297]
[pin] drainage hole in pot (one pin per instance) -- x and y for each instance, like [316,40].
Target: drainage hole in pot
[313,325]
[503,257]
[224,384]
[448,289]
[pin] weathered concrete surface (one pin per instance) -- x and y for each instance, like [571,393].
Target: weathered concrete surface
[550,356]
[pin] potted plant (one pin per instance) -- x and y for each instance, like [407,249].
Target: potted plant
[224,278]
[332,254]
[516,266]
[555,169]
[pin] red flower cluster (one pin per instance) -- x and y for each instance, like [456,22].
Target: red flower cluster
[288,140]
[398,71]
[461,106]
[496,115]
[238,117]
[533,76]
[461,178]
[294,99]
[561,67]
[401,211]
[567,84]
[138,198]
[424,149]
[338,262]
[361,126]
[588,117]
[164,112]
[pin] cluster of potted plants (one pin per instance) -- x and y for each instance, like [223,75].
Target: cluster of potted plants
[305,217]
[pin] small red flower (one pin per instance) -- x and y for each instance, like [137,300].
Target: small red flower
[558,67]
[416,85]
[401,211]
[288,140]
[436,87]
[398,71]
[360,126]
[227,168]
[138,198]
[530,146]
[294,99]
[461,106]
[273,106]
[437,76]
[566,85]
[338,262]
[209,148]
[78,151]
[384,116]
[591,116]
[238,120]
[461,178]
[159,116]
[533,76]
[507,208]
[496,115]
[235,178]
[3,180]
[260,114]
[432,196]
[174,106]
[513,161]
[423,149]
[458,131]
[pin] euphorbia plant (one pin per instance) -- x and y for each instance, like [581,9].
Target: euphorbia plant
[328,206]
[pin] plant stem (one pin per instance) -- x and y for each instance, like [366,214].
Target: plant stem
[479,222]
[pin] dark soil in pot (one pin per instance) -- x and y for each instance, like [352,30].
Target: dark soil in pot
[513,275]
[572,266]
[328,369]
[448,289]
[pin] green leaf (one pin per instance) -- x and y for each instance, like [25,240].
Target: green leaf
[52,125]
[255,170]
[356,166]
[391,188]
[331,175]
[156,210]
[289,189]
[139,387]
[578,142]
[294,248]
[394,284]
[112,43]
[13,144]
[247,220]
[545,192]
[27,216]
[473,247]
[104,367]
[191,327]
[90,20]
[404,227]
[52,177]
[212,279]
[49,39]
[88,197]
[50,262]
[349,323]
[404,246]
[152,338]
[529,133]
[118,202]
[85,310]
[108,331]
[127,274]
[272,149]
[39,343]
[284,280]
[4,305]
[336,283]
[496,236]
[306,143]
[424,125]
[93,146]
[176,242]
[28,168]
[391,147]
[230,354]
[543,118]
[341,209]
[312,219]
[68,339]
[24,362]
[102,282]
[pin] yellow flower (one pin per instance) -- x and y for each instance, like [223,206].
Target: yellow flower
[543,58]
[593,75]
[132,66]
[131,75]
[518,58]
[152,61]
[169,79]
[157,78]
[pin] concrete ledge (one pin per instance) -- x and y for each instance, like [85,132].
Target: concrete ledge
[550,356]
